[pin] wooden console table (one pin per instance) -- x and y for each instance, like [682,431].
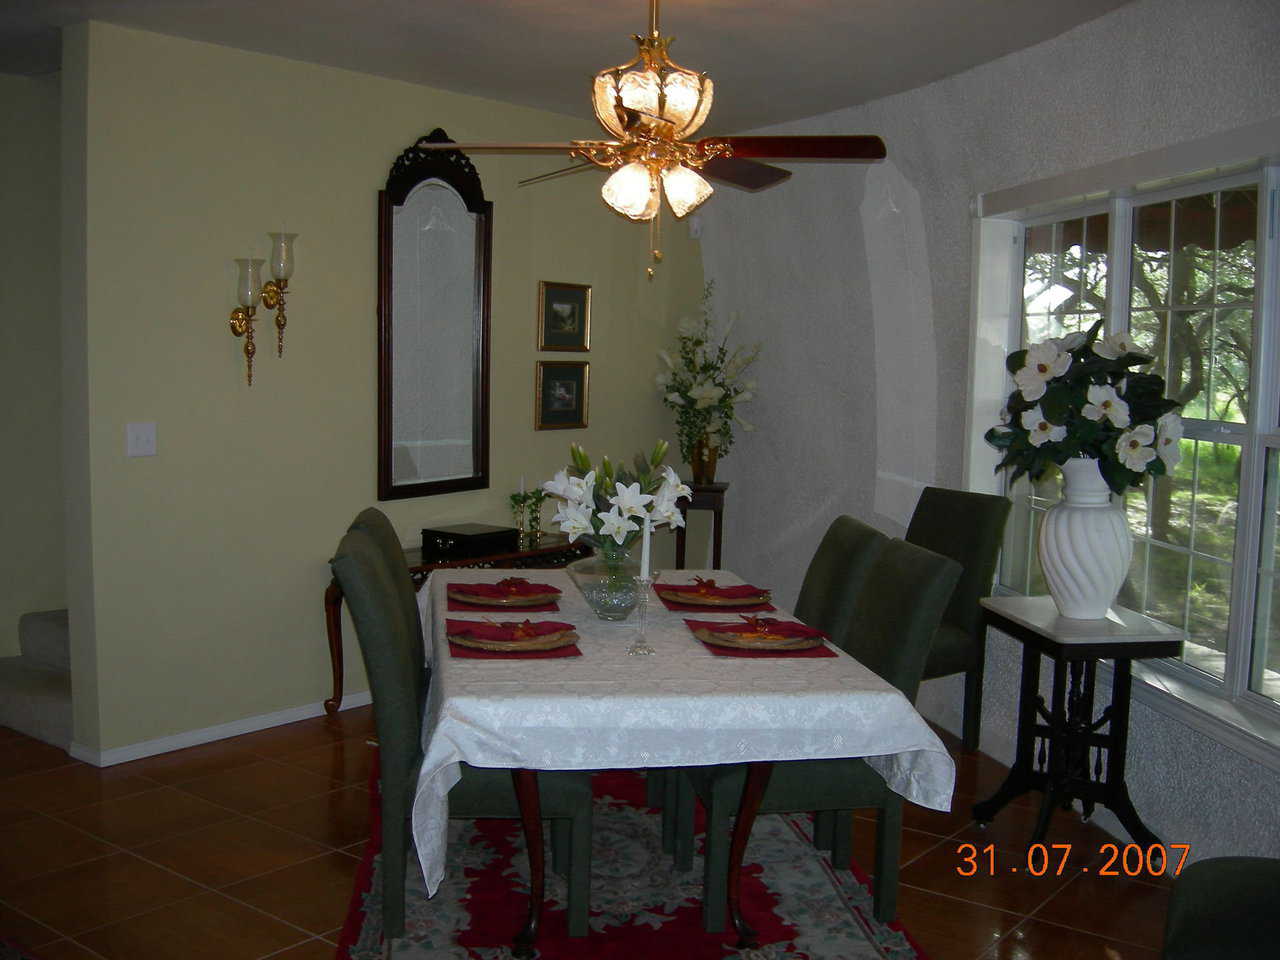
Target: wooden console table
[553,550]
[706,496]
[1069,763]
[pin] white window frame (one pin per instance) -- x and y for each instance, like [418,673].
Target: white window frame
[1226,710]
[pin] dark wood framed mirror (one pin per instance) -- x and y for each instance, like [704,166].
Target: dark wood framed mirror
[434,240]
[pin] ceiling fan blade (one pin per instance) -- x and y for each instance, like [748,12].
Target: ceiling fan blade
[499,147]
[551,175]
[744,174]
[803,148]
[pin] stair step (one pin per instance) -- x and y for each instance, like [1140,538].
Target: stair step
[45,639]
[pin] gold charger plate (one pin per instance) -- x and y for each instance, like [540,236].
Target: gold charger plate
[705,600]
[515,600]
[550,641]
[740,641]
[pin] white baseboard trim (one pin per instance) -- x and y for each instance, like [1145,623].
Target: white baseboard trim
[192,738]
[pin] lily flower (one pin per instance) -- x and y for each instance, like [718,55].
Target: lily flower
[1113,346]
[614,524]
[560,486]
[705,394]
[630,501]
[583,489]
[665,510]
[574,520]
[1105,402]
[1041,430]
[1134,447]
[671,482]
[1044,362]
[1168,440]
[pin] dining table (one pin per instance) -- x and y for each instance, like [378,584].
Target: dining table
[683,705]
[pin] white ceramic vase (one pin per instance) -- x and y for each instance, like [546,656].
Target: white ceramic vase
[1085,546]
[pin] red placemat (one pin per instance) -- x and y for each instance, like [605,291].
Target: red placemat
[709,587]
[471,653]
[792,628]
[507,630]
[457,606]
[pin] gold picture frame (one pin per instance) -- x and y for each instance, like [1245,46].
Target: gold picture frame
[560,394]
[564,316]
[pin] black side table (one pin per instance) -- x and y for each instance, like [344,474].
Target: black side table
[1068,764]
[706,496]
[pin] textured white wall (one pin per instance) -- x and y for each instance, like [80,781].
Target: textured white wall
[850,366]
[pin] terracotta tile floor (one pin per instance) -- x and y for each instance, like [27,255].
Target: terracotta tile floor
[248,847]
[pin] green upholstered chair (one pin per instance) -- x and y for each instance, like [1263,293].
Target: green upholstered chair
[389,642]
[1225,907]
[830,587]
[892,624]
[968,528]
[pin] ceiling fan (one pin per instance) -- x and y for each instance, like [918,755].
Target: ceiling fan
[651,106]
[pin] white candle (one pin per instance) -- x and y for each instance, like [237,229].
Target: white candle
[644,550]
[522,483]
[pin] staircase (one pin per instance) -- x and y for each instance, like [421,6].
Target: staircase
[35,687]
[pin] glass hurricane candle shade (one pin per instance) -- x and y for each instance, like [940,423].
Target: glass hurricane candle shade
[282,255]
[249,282]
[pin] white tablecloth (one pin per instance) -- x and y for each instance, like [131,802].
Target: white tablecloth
[682,707]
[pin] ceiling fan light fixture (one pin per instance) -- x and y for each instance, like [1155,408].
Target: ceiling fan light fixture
[685,188]
[632,190]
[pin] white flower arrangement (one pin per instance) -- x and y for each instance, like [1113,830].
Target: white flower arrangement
[704,382]
[1078,396]
[602,506]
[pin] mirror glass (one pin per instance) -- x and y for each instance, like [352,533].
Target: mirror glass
[433,325]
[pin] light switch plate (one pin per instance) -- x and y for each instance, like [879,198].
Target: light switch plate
[140,439]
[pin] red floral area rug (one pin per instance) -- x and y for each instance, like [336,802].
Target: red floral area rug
[641,906]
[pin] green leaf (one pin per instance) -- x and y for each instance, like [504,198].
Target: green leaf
[1056,403]
[1016,361]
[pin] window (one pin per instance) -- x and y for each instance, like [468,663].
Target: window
[1184,271]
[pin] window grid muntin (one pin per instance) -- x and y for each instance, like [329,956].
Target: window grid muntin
[1251,436]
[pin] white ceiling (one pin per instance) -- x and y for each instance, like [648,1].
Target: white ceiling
[771,60]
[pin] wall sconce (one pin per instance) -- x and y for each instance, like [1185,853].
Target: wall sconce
[250,290]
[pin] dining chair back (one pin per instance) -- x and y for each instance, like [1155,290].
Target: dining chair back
[398,682]
[1224,907]
[897,611]
[375,523]
[968,528]
[836,573]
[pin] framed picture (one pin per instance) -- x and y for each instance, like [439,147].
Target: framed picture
[564,316]
[560,395]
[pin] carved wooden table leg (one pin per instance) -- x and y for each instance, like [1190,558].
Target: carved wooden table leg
[526,782]
[333,626]
[752,793]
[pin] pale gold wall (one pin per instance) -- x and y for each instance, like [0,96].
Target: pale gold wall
[209,560]
[31,571]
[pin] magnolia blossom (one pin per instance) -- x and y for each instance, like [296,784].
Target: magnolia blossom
[614,524]
[1044,362]
[630,501]
[1134,447]
[705,394]
[1041,430]
[1070,342]
[1113,345]
[675,398]
[1105,402]
[1168,437]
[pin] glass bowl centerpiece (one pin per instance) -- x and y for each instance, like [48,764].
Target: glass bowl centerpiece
[611,507]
